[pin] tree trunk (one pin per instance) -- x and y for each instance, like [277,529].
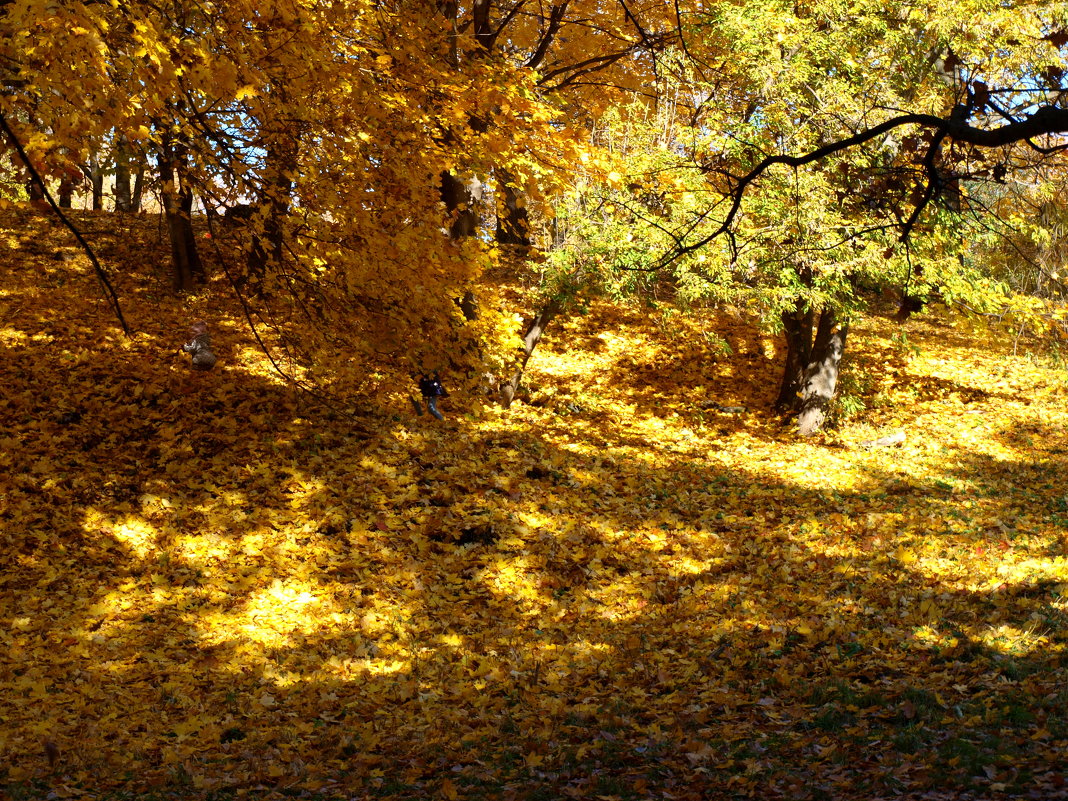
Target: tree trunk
[469,306]
[821,374]
[35,194]
[66,192]
[123,199]
[513,227]
[797,325]
[177,195]
[96,181]
[533,334]
[181,258]
[139,186]
[810,375]
[267,247]
[463,199]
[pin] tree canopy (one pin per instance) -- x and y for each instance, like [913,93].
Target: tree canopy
[780,155]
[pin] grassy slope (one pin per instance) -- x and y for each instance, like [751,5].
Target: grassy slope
[610,590]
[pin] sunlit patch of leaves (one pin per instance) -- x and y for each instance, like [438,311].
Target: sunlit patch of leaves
[635,583]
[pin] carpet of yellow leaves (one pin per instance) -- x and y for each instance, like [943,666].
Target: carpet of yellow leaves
[635,584]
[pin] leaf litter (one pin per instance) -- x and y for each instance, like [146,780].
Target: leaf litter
[616,589]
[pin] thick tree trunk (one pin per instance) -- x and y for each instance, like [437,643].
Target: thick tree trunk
[181,258]
[810,375]
[535,329]
[797,328]
[513,226]
[462,199]
[123,198]
[821,375]
[186,266]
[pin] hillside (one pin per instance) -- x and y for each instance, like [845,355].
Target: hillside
[636,583]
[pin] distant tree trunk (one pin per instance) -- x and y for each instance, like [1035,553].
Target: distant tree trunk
[36,195]
[139,186]
[513,226]
[810,375]
[123,198]
[95,174]
[177,195]
[462,199]
[267,247]
[66,192]
[535,329]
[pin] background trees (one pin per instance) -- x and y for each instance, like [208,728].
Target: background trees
[785,158]
[832,155]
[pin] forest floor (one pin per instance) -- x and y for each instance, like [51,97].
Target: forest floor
[636,584]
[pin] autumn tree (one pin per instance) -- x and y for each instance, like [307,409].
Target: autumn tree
[827,149]
[360,134]
[82,78]
[809,150]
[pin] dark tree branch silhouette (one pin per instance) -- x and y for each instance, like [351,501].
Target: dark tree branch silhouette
[1045,121]
[101,274]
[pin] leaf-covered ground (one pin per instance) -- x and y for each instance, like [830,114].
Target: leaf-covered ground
[623,587]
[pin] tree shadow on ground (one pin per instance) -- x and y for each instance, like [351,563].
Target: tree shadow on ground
[210,590]
[679,629]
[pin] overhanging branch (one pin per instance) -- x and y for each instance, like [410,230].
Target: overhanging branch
[101,274]
[1046,121]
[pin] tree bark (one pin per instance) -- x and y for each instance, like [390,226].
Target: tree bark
[810,374]
[139,186]
[797,328]
[469,306]
[177,194]
[123,198]
[66,192]
[821,374]
[95,174]
[535,328]
[513,225]
[463,199]
[35,194]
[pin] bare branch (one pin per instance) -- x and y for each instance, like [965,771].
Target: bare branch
[556,16]
[101,275]
[1046,121]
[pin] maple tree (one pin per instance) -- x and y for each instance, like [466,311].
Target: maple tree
[347,128]
[636,582]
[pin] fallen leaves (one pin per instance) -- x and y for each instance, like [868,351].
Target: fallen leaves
[620,586]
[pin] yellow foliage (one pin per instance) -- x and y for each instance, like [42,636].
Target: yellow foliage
[213,585]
